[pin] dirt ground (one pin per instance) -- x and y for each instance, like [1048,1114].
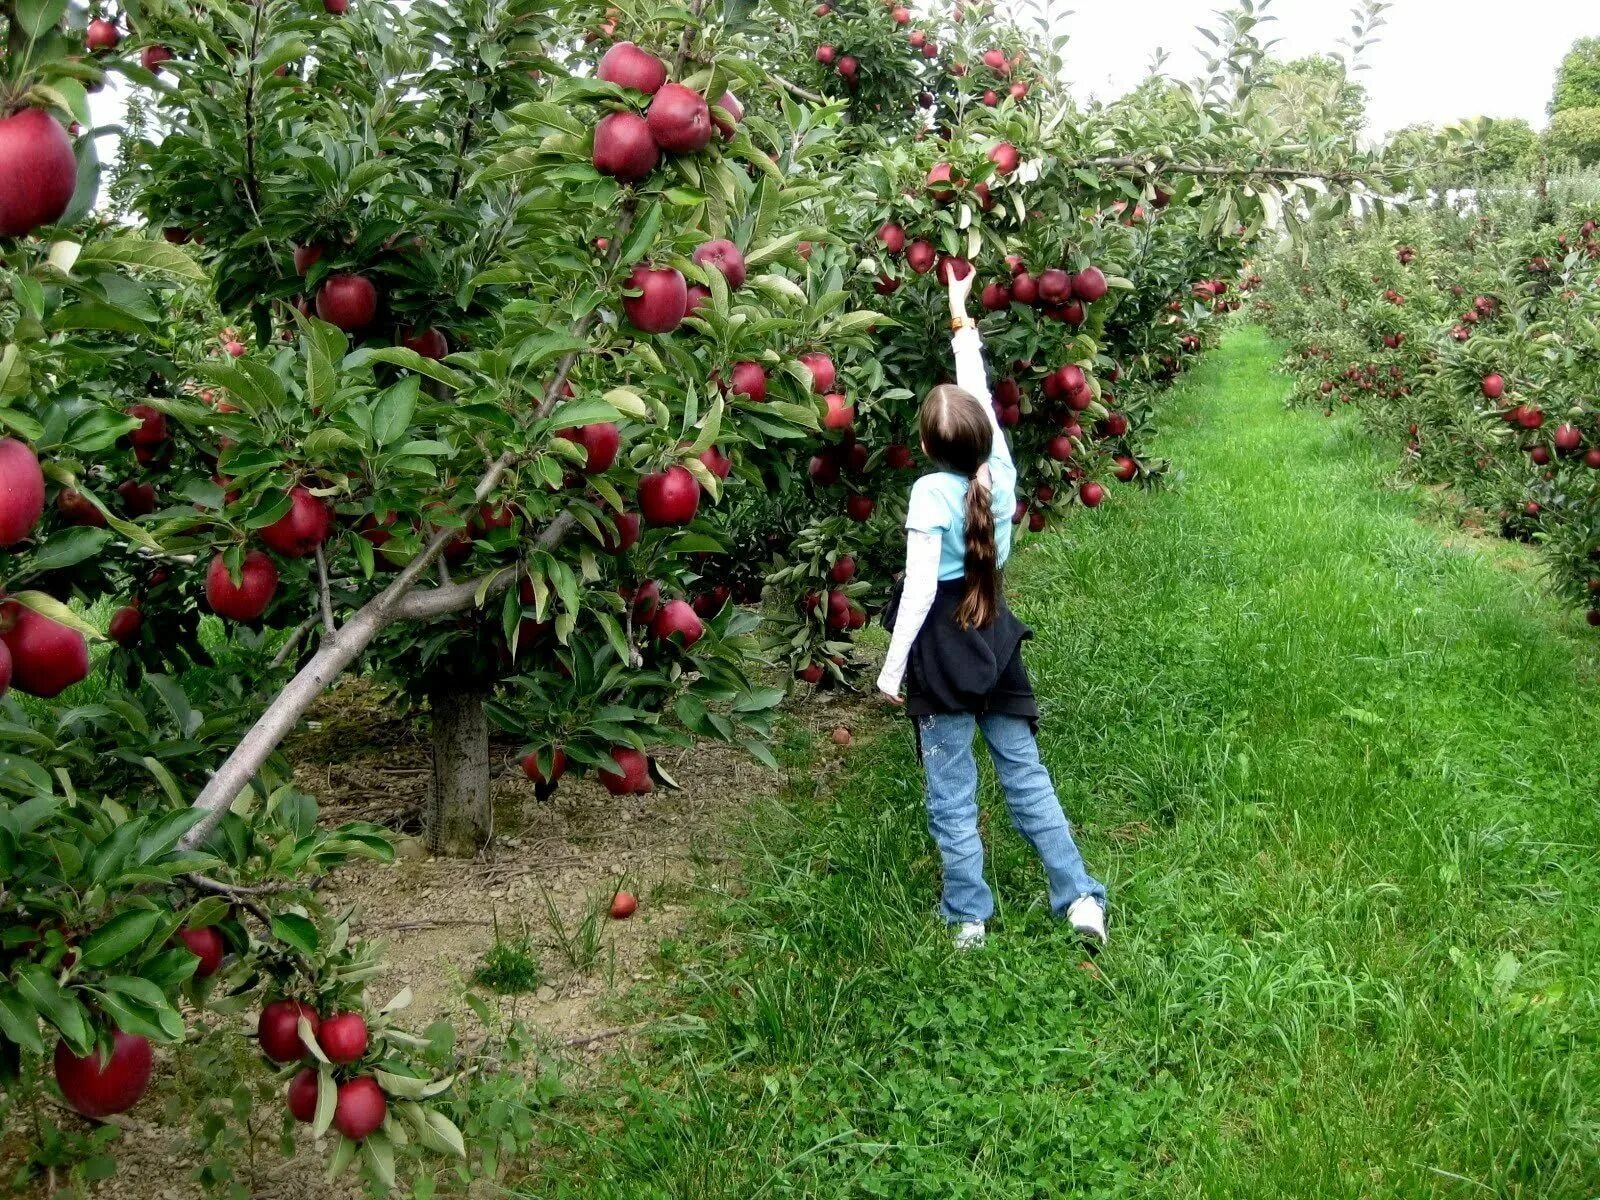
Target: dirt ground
[549,875]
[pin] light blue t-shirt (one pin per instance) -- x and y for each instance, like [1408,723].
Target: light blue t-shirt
[939,505]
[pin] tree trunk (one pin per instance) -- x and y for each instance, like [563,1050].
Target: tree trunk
[458,820]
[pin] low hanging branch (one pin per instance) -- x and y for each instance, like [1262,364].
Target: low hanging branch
[400,601]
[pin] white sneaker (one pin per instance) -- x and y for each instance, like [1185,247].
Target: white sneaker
[1088,917]
[969,935]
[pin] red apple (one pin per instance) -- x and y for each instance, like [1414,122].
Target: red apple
[1005,158]
[892,237]
[921,256]
[301,1098]
[1025,288]
[21,491]
[247,599]
[1055,286]
[848,66]
[1089,285]
[627,533]
[718,463]
[670,497]
[152,428]
[430,343]
[77,509]
[623,906]
[278,1029]
[677,619]
[725,257]
[347,301]
[699,294]
[897,457]
[100,1087]
[727,127]
[1568,439]
[47,657]
[1059,447]
[627,66]
[151,58]
[680,120]
[860,507]
[843,569]
[996,296]
[302,529]
[841,414]
[1126,468]
[825,55]
[1091,494]
[937,178]
[663,299]
[207,945]
[343,1037]
[601,441]
[631,776]
[1494,386]
[624,147]
[38,172]
[101,35]
[558,766]
[823,372]
[950,266]
[124,626]
[360,1109]
[305,257]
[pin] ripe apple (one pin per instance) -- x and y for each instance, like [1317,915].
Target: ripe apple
[1091,494]
[860,507]
[1059,447]
[699,294]
[952,267]
[627,66]
[843,569]
[303,528]
[892,236]
[1055,286]
[677,618]
[1036,522]
[729,125]
[917,38]
[101,35]
[848,66]
[1005,158]
[680,120]
[624,147]
[921,256]
[1019,91]
[897,457]
[151,58]
[718,463]
[824,470]
[360,1109]
[663,299]
[725,257]
[558,765]
[1126,468]
[996,297]
[670,497]
[336,8]
[101,1086]
[1540,456]
[812,673]
[38,172]
[278,1029]
[207,945]
[996,60]
[77,509]
[601,441]
[301,1097]
[247,599]
[1089,285]
[823,372]
[348,301]
[124,626]
[1025,288]
[430,343]
[991,98]
[21,491]
[939,176]
[1568,439]
[887,285]
[841,414]
[1592,459]
[825,55]
[627,533]
[632,774]
[900,15]
[343,1037]
[623,906]
[47,657]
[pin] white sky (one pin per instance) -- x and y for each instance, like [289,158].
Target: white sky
[1435,60]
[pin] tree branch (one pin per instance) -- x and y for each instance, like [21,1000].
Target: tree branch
[794,89]
[323,596]
[300,631]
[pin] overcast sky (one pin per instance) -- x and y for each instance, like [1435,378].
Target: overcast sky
[1436,60]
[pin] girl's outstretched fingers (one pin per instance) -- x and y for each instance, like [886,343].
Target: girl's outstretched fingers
[960,289]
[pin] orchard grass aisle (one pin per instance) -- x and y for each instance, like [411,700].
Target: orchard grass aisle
[1339,768]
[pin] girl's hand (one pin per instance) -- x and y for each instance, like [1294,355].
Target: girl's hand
[891,698]
[960,289]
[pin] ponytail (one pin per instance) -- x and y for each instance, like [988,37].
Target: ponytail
[979,598]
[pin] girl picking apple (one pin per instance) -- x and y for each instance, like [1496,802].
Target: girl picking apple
[957,649]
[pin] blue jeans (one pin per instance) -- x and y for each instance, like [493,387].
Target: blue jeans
[953,811]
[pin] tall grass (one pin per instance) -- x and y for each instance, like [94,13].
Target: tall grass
[1340,774]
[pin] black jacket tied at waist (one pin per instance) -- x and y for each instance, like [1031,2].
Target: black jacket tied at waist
[956,670]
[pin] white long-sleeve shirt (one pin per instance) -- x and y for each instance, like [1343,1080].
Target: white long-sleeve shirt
[936,523]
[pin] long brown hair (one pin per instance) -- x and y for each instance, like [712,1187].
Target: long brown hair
[957,436]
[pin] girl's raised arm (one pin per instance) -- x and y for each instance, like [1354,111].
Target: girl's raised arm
[971,375]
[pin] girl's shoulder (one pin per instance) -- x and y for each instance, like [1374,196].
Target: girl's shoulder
[935,498]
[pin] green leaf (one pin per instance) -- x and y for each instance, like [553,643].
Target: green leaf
[18,1021]
[399,356]
[295,931]
[36,17]
[48,606]
[119,937]
[132,251]
[392,416]
[70,546]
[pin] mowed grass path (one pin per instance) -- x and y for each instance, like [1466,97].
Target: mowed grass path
[1340,770]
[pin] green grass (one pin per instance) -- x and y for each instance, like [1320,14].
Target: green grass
[1339,769]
